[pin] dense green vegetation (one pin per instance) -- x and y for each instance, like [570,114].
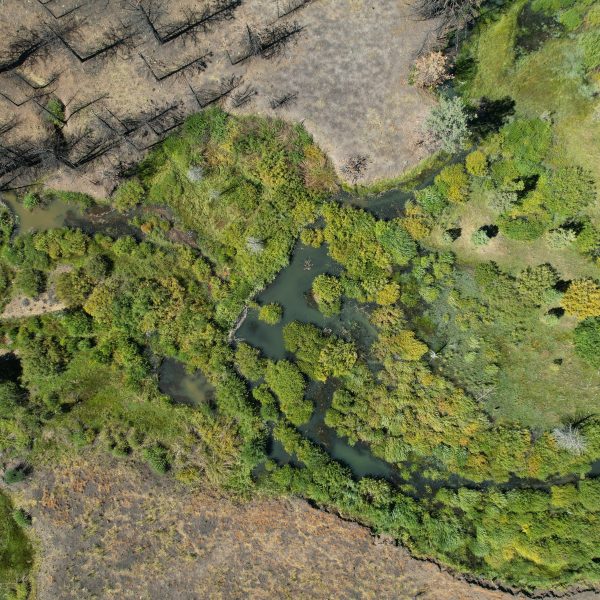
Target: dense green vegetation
[489,275]
[15,551]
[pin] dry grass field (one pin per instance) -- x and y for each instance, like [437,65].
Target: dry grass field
[127,72]
[119,532]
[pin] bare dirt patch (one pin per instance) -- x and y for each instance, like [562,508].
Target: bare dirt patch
[21,306]
[117,531]
[128,72]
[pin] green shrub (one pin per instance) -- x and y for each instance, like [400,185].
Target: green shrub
[312,237]
[582,299]
[22,519]
[157,457]
[587,341]
[453,182]
[521,228]
[566,191]
[15,475]
[271,313]
[592,19]
[30,281]
[526,142]
[128,194]
[55,112]
[286,381]
[84,200]
[249,362]
[590,45]
[73,287]
[337,357]
[476,163]
[535,283]
[268,404]
[327,291]
[31,200]
[447,125]
[560,238]
[588,240]
[501,201]
[480,237]
[16,554]
[571,19]
[432,200]
[395,240]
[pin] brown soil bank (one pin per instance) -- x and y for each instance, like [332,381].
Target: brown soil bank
[128,71]
[119,532]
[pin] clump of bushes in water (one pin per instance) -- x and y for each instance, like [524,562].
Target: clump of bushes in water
[271,313]
[31,200]
[312,237]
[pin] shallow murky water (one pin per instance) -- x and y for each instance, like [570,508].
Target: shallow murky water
[49,216]
[185,388]
[291,289]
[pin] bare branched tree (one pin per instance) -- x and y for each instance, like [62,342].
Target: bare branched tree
[27,42]
[570,439]
[111,42]
[199,63]
[454,15]
[287,7]
[193,21]
[268,43]
[212,94]
[355,166]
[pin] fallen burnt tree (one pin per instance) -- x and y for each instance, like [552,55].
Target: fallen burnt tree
[159,121]
[268,43]
[200,63]
[287,8]
[27,43]
[245,95]
[113,40]
[193,22]
[283,101]
[210,95]
[48,5]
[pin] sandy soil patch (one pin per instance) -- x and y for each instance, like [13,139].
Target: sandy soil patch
[21,306]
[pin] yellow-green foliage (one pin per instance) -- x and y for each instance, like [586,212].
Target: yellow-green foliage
[388,294]
[453,181]
[128,194]
[270,313]
[582,299]
[476,163]
[312,237]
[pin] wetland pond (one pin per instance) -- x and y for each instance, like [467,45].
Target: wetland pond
[191,389]
[290,289]
[59,213]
